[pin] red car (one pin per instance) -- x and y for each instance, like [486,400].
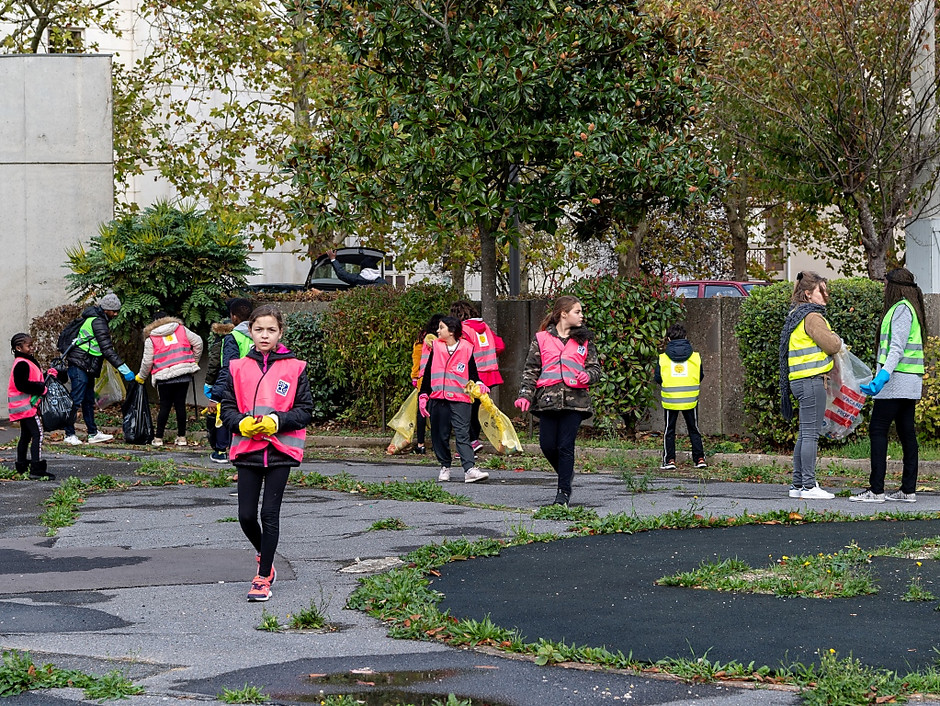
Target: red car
[705,288]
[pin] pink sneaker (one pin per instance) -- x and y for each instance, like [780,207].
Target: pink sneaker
[260,589]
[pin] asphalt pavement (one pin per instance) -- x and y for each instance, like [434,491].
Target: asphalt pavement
[152,581]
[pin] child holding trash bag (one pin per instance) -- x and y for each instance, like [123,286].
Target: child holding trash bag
[897,386]
[445,401]
[267,405]
[171,355]
[561,366]
[807,345]
[24,393]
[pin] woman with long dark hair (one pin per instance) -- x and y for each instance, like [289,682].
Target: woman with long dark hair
[897,386]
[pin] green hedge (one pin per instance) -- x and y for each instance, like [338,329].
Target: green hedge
[629,318]
[305,336]
[854,312]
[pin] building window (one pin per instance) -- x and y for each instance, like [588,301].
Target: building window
[65,40]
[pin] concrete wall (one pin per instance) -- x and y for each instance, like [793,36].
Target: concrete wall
[56,178]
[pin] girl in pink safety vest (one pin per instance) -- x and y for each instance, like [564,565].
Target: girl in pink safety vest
[420,353]
[24,393]
[445,401]
[561,365]
[487,346]
[171,357]
[267,405]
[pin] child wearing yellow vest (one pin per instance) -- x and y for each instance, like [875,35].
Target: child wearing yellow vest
[680,374]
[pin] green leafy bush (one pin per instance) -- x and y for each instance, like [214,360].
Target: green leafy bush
[370,332]
[927,411]
[854,312]
[629,318]
[305,336]
[164,258]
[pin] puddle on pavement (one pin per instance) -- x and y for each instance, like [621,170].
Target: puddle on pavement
[383,688]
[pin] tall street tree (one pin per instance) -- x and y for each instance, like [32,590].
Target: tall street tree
[467,114]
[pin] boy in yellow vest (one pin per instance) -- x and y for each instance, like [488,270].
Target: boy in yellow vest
[680,374]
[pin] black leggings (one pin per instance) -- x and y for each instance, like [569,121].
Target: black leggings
[30,438]
[263,536]
[557,433]
[901,412]
[172,395]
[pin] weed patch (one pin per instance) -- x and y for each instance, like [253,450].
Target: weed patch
[269,622]
[389,523]
[18,673]
[245,695]
[418,491]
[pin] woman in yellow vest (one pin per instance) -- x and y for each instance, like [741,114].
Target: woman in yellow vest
[897,386]
[807,345]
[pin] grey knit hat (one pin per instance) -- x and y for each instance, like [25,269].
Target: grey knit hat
[110,302]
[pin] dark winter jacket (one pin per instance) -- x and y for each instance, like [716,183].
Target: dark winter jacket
[299,416]
[83,360]
[558,397]
[356,280]
[219,331]
[679,350]
[230,352]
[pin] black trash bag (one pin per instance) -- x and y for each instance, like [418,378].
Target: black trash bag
[56,406]
[137,424]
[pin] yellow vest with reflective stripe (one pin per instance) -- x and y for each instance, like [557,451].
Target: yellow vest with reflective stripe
[805,358]
[680,381]
[912,359]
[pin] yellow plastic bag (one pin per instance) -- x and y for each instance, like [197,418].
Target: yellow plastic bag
[495,425]
[403,423]
[109,387]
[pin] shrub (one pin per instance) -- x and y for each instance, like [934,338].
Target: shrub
[370,332]
[629,318]
[45,330]
[854,312]
[164,258]
[305,336]
[927,411]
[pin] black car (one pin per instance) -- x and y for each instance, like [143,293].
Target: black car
[322,276]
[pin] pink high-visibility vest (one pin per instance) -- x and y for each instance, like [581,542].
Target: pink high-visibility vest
[425,354]
[450,372]
[484,348]
[21,404]
[560,361]
[172,349]
[258,393]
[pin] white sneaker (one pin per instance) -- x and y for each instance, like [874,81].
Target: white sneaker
[444,475]
[72,439]
[816,493]
[867,497]
[181,441]
[99,438]
[474,475]
[157,441]
[796,492]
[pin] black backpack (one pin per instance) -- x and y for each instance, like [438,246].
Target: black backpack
[67,338]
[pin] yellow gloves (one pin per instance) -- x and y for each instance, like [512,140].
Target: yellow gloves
[139,379]
[248,426]
[252,427]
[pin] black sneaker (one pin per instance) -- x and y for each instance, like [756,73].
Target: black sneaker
[561,498]
[701,463]
[419,449]
[668,465]
[218,457]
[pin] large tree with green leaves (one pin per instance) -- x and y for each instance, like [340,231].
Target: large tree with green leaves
[463,114]
[29,26]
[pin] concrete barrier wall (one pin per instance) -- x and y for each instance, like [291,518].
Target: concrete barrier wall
[56,177]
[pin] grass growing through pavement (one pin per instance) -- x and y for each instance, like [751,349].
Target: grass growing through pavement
[245,695]
[840,575]
[18,673]
[420,490]
[313,617]
[269,622]
[389,523]
[167,472]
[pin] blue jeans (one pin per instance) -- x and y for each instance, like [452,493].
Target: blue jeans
[83,395]
[811,394]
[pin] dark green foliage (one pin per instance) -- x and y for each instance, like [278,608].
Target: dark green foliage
[176,260]
[629,318]
[305,336]
[369,334]
[854,312]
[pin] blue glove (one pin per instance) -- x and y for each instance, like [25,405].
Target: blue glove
[874,387]
[207,390]
[126,372]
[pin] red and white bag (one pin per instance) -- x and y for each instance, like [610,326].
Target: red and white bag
[844,398]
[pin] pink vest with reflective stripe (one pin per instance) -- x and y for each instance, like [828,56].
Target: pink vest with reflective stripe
[271,391]
[450,372]
[484,348]
[170,350]
[560,361]
[21,404]
[425,354]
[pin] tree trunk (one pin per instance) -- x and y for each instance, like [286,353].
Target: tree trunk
[736,212]
[874,242]
[488,274]
[458,275]
[629,242]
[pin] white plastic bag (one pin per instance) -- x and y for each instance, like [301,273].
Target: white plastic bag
[844,398]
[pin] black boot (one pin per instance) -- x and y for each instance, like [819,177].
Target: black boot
[21,468]
[561,498]
[39,472]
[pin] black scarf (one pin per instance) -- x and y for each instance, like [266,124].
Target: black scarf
[794,317]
